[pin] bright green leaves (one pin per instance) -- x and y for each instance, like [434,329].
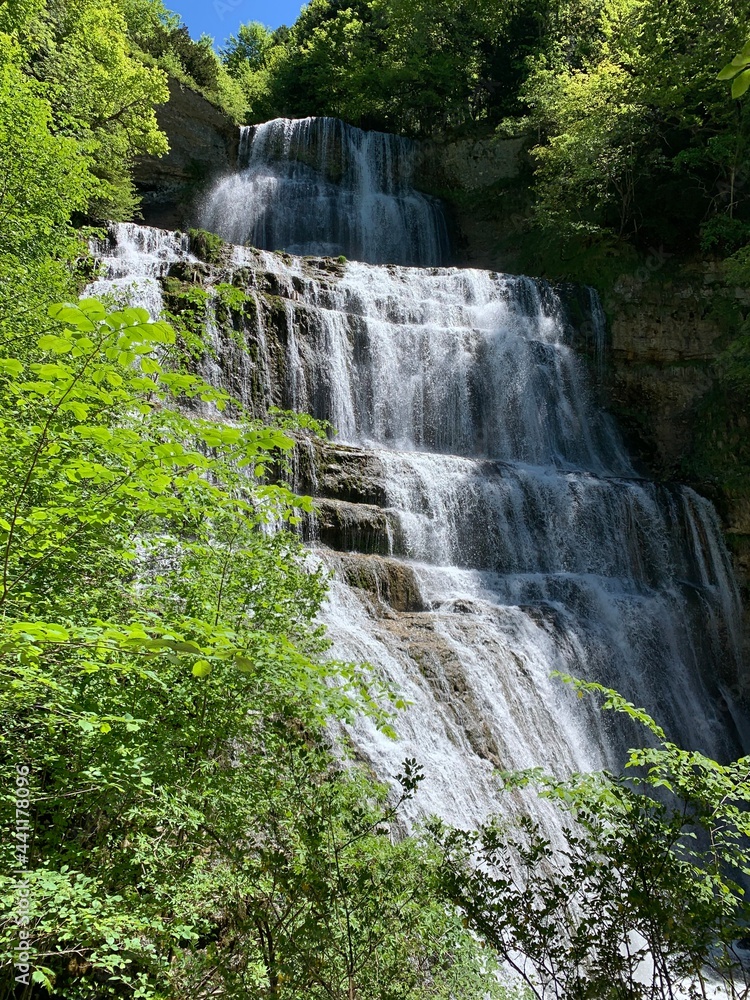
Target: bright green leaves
[412,67]
[163,673]
[738,71]
[103,95]
[613,79]
[93,432]
[58,345]
[76,316]
[11,366]
[45,179]
[741,83]
[651,855]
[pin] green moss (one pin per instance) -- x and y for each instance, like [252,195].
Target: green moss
[209,247]
[187,310]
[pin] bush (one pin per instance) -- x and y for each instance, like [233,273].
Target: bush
[638,898]
[723,235]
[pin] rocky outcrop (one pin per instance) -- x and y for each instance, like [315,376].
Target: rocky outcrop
[665,336]
[203,144]
[471,164]
[485,184]
[390,584]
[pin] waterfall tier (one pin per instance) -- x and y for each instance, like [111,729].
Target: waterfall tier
[319,186]
[482,519]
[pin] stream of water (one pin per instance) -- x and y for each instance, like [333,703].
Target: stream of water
[472,461]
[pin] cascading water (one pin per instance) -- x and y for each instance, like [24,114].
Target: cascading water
[482,519]
[319,186]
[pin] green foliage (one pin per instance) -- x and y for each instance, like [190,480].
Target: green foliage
[638,136]
[249,48]
[738,71]
[723,235]
[99,94]
[208,246]
[45,180]
[165,42]
[102,96]
[639,898]
[75,109]
[166,682]
[404,67]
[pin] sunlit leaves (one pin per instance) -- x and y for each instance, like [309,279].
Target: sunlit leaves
[741,83]
[738,71]
[158,620]
[638,894]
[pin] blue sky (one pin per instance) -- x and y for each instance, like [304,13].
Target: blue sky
[221,18]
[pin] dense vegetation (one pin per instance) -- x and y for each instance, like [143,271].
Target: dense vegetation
[165,684]
[635,135]
[193,827]
[638,148]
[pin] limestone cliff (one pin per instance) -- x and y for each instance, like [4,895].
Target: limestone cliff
[668,323]
[203,144]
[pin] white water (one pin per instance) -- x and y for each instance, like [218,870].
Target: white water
[490,475]
[318,186]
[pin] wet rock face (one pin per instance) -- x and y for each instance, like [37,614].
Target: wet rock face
[483,524]
[665,336]
[390,585]
[203,144]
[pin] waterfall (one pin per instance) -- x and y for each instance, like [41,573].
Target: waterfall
[481,517]
[319,186]
[474,472]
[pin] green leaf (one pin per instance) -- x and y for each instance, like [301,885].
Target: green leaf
[135,316]
[11,365]
[58,345]
[741,84]
[180,646]
[52,373]
[202,668]
[92,308]
[150,367]
[72,316]
[728,72]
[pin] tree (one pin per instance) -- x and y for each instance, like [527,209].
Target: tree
[639,898]
[637,136]
[102,97]
[415,69]
[250,46]
[166,685]
[45,180]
